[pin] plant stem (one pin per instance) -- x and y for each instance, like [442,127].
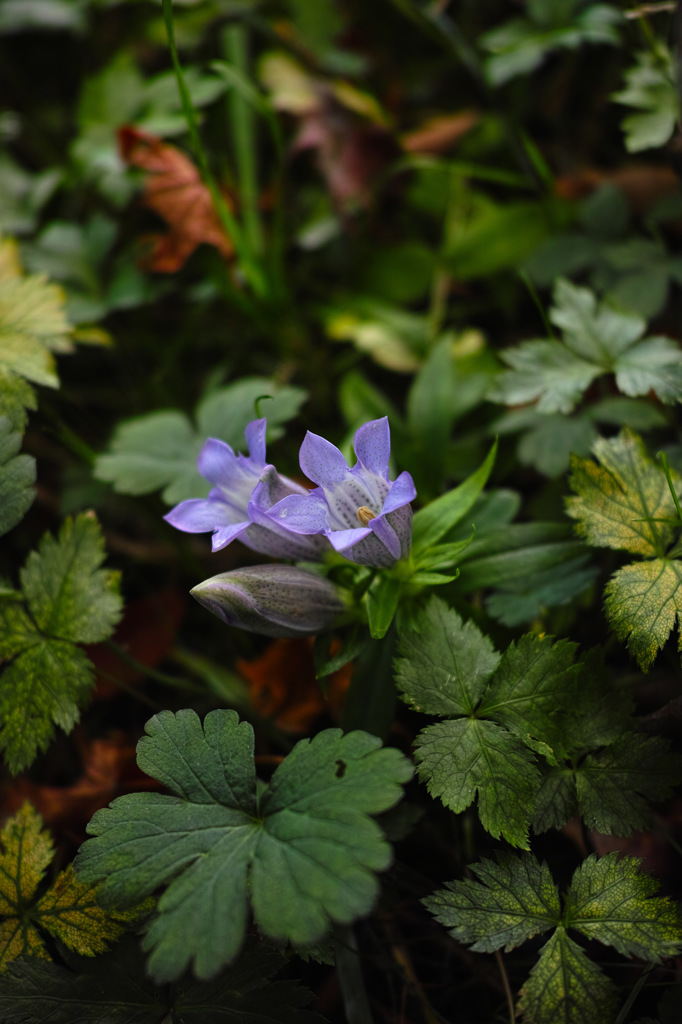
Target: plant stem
[349,973]
[370,701]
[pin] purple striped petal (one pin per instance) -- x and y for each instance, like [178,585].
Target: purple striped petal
[255,439]
[402,491]
[321,461]
[372,446]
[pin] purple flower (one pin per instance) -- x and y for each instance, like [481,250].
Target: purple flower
[245,488]
[275,600]
[365,516]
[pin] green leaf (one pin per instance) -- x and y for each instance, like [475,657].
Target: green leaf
[650,89]
[611,901]
[467,757]
[32,323]
[17,478]
[48,677]
[16,396]
[382,604]
[160,450]
[565,987]
[445,663]
[617,502]
[596,340]
[615,784]
[434,521]
[116,988]
[304,855]
[514,899]
[68,910]
[68,594]
[549,444]
[644,604]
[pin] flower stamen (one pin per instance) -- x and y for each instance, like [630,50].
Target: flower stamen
[365,514]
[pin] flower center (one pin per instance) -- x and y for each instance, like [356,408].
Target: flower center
[365,514]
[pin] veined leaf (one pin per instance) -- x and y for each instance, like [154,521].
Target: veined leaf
[68,600]
[115,987]
[644,604]
[609,899]
[618,502]
[501,711]
[17,478]
[161,448]
[68,911]
[650,90]
[303,855]
[566,987]
[16,396]
[513,899]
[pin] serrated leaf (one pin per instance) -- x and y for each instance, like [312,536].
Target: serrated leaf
[617,501]
[596,340]
[615,784]
[303,856]
[650,89]
[609,899]
[17,478]
[32,327]
[69,599]
[68,911]
[461,758]
[444,663]
[16,396]
[160,450]
[644,604]
[556,800]
[565,987]
[68,594]
[514,899]
[116,988]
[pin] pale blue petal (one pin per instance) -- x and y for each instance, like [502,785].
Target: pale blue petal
[372,446]
[382,529]
[300,514]
[222,537]
[255,439]
[217,462]
[402,491]
[341,540]
[198,515]
[321,461]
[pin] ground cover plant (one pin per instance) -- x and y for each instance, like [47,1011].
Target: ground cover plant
[340,478]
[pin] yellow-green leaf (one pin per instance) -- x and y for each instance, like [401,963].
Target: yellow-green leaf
[618,502]
[644,603]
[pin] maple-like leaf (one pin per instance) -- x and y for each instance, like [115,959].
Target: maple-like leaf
[68,911]
[17,478]
[499,712]
[650,90]
[596,340]
[303,852]
[67,599]
[174,190]
[515,898]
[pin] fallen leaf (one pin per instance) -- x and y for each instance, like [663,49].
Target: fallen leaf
[642,184]
[283,685]
[174,190]
[440,133]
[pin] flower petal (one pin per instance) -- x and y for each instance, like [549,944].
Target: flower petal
[222,537]
[301,514]
[341,540]
[372,446]
[255,439]
[382,529]
[217,462]
[321,461]
[401,493]
[199,515]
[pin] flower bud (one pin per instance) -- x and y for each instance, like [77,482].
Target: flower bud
[275,600]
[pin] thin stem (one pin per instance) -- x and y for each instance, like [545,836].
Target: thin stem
[349,972]
[634,992]
[507,988]
[525,277]
[151,673]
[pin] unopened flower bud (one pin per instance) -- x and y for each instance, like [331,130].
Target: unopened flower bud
[275,600]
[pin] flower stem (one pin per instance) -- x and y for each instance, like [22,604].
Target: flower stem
[370,701]
[349,972]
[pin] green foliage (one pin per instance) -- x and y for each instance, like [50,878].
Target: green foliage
[160,449]
[608,899]
[495,707]
[302,854]
[68,911]
[596,340]
[650,89]
[66,600]
[625,503]
[17,478]
[117,985]
[522,44]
